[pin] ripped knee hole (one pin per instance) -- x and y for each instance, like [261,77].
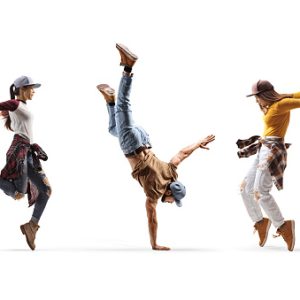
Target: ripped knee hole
[256,195]
[48,187]
[19,196]
[243,185]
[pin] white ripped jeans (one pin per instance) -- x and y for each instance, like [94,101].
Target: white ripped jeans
[255,191]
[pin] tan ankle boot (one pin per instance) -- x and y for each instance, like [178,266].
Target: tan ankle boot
[127,57]
[262,227]
[107,92]
[29,230]
[287,231]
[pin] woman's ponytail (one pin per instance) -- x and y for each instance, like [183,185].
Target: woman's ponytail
[13,91]
[5,114]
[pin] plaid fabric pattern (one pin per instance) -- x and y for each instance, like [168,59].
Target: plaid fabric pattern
[15,158]
[277,160]
[249,146]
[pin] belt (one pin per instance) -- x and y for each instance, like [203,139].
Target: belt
[137,151]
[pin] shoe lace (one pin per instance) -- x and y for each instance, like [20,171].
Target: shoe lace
[255,228]
[280,232]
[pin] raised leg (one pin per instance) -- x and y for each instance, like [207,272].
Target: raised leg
[109,96]
[8,187]
[131,136]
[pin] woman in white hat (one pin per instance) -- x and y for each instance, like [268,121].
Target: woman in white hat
[23,173]
[270,163]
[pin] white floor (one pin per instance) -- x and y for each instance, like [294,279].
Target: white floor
[103,269]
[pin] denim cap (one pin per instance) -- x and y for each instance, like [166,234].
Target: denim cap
[178,192]
[261,86]
[25,81]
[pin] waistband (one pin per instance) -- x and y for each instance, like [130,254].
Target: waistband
[272,139]
[138,150]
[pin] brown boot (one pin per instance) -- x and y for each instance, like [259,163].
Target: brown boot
[30,229]
[287,231]
[127,57]
[262,227]
[107,92]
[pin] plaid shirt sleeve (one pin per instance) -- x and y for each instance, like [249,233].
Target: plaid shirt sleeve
[248,146]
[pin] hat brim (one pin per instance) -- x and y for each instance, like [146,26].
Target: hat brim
[253,94]
[260,92]
[35,85]
[178,203]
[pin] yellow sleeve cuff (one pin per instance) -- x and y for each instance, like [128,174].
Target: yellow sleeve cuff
[296,95]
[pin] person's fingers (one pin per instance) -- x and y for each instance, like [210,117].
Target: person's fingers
[203,147]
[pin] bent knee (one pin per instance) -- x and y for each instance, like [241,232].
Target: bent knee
[113,132]
[243,185]
[48,189]
[261,194]
[257,195]
[245,188]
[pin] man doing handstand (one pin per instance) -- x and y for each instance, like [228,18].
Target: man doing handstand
[158,178]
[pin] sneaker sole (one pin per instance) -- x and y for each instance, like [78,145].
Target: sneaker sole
[126,51]
[24,232]
[293,233]
[267,232]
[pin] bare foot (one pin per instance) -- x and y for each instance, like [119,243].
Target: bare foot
[163,248]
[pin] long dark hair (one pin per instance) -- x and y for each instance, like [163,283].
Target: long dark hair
[272,96]
[13,93]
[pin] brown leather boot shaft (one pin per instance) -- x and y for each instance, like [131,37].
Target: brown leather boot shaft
[127,57]
[29,230]
[107,92]
[262,228]
[287,231]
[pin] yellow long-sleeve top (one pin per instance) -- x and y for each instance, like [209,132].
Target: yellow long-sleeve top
[277,118]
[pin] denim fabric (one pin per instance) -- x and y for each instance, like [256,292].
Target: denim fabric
[7,187]
[38,178]
[259,180]
[121,123]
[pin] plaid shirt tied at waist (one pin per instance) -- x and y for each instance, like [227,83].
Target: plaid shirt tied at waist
[15,158]
[276,162]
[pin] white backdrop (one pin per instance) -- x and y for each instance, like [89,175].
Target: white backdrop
[197,61]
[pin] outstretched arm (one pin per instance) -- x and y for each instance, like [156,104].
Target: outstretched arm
[187,151]
[289,103]
[10,105]
[152,223]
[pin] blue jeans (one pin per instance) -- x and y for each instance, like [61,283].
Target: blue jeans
[121,123]
[38,178]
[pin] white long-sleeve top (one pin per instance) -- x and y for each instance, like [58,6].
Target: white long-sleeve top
[21,117]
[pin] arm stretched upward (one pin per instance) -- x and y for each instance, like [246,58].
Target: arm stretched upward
[187,151]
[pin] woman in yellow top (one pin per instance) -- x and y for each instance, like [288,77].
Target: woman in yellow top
[270,162]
